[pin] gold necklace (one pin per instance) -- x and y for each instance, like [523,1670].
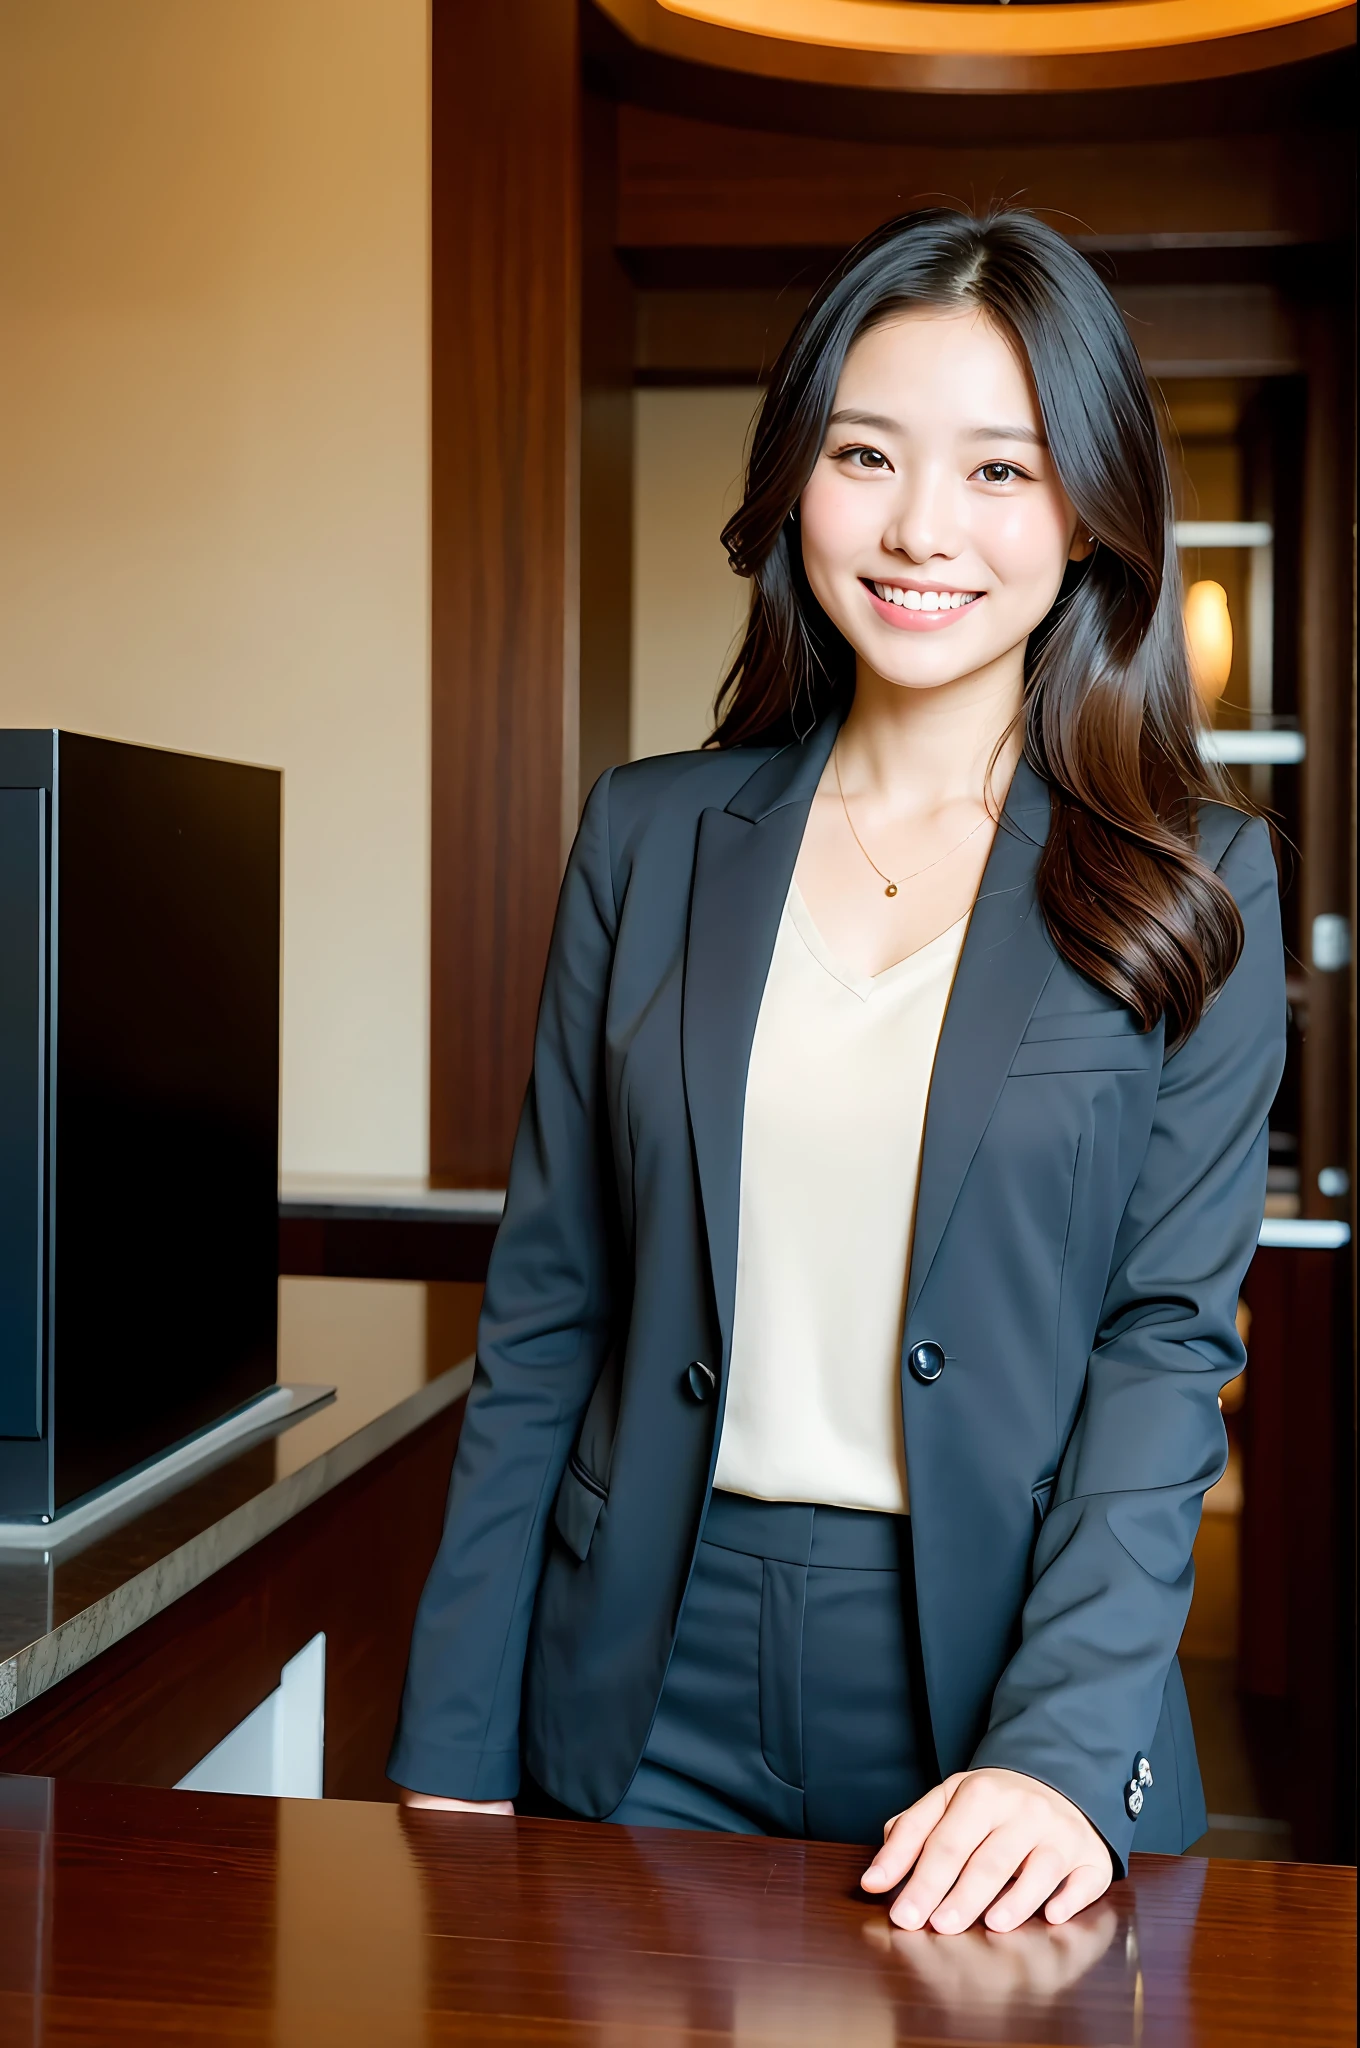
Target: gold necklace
[893,886]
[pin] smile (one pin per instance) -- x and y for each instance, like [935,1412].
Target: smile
[908,604]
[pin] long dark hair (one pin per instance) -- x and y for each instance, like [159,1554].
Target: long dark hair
[1111,717]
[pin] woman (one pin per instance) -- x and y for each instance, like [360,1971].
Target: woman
[832,1468]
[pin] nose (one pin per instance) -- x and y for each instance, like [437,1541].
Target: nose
[924,523]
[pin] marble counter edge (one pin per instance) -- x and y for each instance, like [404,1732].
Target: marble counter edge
[40,1665]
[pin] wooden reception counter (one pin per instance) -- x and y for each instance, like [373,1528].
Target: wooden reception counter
[131,1916]
[128,1653]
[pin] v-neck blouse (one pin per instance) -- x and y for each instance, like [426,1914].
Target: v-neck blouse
[835,1113]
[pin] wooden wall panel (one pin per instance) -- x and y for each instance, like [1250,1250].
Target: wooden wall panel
[687,183]
[733,337]
[506,288]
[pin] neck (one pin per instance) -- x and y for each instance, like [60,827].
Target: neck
[933,746]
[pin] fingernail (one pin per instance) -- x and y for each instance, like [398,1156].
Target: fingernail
[946,1922]
[907,1916]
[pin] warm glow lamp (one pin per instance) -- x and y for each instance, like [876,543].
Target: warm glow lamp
[1209,634]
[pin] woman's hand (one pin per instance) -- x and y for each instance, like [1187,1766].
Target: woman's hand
[993,1845]
[456,1805]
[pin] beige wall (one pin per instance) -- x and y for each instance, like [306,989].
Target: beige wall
[688,608]
[213,486]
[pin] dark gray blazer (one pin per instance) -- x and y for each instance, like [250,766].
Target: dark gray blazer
[1087,1208]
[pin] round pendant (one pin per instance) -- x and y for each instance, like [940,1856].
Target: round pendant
[891,889]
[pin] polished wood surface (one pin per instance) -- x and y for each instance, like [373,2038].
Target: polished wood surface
[505,486]
[132,1916]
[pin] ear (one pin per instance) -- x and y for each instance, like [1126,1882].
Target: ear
[1083,546]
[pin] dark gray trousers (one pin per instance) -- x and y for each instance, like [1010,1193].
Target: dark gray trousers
[794,1699]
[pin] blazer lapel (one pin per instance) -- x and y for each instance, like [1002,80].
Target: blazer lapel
[1007,957]
[744,862]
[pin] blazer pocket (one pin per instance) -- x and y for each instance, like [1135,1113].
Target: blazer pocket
[1082,1024]
[579,1500]
[1096,1054]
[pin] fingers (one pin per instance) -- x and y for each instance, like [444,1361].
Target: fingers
[986,1873]
[429,1799]
[1079,1889]
[903,1838]
[1038,1877]
[966,1824]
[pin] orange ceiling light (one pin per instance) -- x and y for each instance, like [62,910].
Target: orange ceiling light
[905,45]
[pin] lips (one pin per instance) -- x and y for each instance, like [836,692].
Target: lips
[917,608]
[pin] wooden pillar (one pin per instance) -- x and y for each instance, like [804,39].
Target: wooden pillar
[506,316]
[531,535]
[1326,706]
[606,455]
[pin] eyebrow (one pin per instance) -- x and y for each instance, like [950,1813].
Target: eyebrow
[864,419]
[850,418]
[1007,434]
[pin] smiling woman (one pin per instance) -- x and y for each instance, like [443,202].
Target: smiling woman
[847,1380]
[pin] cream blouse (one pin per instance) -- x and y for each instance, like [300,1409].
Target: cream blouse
[831,1151]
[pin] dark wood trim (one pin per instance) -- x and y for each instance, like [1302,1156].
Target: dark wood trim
[372,1248]
[149,1707]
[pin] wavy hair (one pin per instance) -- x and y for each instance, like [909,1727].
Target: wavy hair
[1112,719]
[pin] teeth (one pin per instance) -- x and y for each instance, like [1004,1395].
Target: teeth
[924,600]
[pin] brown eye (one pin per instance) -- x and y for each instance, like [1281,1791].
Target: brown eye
[996,472]
[871,458]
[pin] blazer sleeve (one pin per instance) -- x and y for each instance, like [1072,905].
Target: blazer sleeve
[545,1325]
[1113,1571]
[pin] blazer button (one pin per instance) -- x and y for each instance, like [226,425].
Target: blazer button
[698,1382]
[1133,1799]
[926,1362]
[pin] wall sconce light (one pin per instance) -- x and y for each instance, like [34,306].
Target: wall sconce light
[1209,636]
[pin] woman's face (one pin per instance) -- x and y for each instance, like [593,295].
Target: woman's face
[935,533]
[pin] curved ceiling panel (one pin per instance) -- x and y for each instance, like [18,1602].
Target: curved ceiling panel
[979,46]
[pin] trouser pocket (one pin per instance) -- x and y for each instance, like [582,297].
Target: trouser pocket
[783,1594]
